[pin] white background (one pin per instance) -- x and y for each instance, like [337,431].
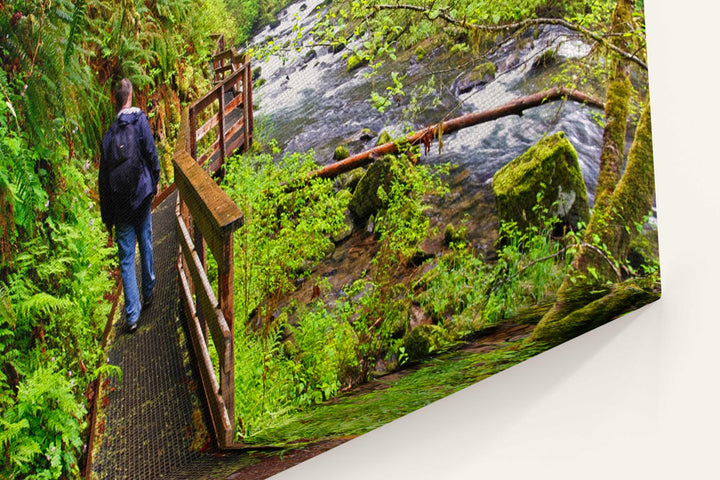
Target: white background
[638,398]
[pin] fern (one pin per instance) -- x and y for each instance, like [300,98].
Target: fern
[44,304]
[76,23]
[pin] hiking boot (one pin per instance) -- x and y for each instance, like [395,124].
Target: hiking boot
[147,301]
[133,328]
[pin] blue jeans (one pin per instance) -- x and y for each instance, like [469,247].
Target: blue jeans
[125,235]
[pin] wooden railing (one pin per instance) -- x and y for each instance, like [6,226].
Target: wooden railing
[219,109]
[207,218]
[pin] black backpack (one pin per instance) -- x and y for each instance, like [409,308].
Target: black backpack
[125,161]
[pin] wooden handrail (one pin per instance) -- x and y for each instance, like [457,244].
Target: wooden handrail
[239,82]
[204,211]
[207,217]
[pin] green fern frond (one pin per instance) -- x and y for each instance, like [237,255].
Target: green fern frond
[76,23]
[6,308]
[44,304]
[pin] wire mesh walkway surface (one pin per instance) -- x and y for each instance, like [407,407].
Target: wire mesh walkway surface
[153,426]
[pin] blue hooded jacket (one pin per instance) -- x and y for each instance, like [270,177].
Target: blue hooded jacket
[125,210]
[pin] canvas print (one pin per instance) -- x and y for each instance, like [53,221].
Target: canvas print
[237,234]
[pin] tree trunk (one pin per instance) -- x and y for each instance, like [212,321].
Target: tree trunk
[618,208]
[619,299]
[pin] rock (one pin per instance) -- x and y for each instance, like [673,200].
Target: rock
[366,134]
[347,230]
[354,62]
[311,54]
[453,235]
[420,342]
[341,153]
[643,249]
[336,47]
[550,167]
[349,180]
[384,138]
[480,75]
[544,60]
[256,72]
[381,173]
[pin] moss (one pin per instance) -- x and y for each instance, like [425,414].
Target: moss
[420,342]
[453,235]
[349,180]
[545,59]
[483,71]
[256,72]
[635,193]
[354,62]
[384,138]
[341,153]
[549,168]
[643,251]
[366,134]
[381,173]
[420,53]
[562,324]
[617,109]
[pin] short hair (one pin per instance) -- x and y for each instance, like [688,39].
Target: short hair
[122,92]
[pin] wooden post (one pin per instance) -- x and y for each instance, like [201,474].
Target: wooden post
[249,103]
[193,129]
[246,106]
[226,299]
[221,123]
[200,249]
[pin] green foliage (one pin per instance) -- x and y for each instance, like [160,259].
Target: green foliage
[465,293]
[59,61]
[41,432]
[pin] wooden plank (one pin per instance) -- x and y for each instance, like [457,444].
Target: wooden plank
[221,123]
[206,100]
[224,68]
[238,127]
[213,211]
[235,102]
[224,55]
[207,126]
[247,80]
[249,102]
[236,143]
[207,302]
[237,74]
[218,411]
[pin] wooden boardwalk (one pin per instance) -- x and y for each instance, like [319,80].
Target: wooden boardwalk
[155,423]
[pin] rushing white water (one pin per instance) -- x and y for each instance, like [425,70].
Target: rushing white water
[311,101]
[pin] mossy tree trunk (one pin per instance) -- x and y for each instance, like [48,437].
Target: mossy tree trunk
[622,201]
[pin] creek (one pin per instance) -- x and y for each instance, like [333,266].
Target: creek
[311,101]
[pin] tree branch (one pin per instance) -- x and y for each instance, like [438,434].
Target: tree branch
[516,26]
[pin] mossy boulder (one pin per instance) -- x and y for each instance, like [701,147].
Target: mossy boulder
[455,235]
[341,153]
[381,173]
[349,180]
[384,138]
[354,62]
[420,342]
[256,72]
[549,168]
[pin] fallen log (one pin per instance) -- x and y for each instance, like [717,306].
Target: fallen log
[428,134]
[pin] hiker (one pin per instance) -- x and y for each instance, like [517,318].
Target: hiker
[128,180]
